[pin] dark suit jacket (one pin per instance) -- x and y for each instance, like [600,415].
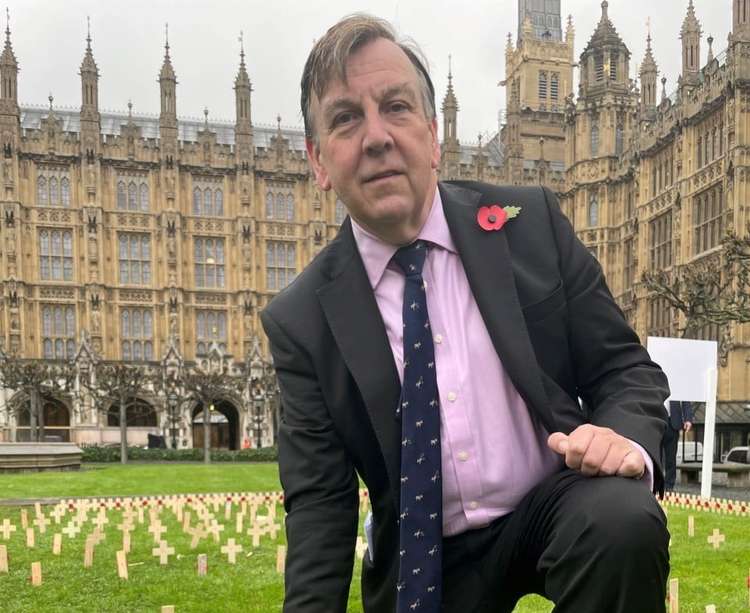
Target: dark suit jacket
[679,413]
[552,320]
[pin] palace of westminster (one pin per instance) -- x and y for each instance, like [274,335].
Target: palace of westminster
[137,238]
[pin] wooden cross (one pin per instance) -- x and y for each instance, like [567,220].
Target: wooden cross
[56,544]
[122,565]
[691,526]
[38,508]
[97,536]
[202,564]
[3,559]
[57,514]
[716,539]
[674,596]
[257,530]
[157,529]
[163,551]
[231,550]
[24,519]
[100,521]
[29,537]
[71,529]
[6,528]
[280,558]
[41,522]
[215,530]
[36,574]
[197,533]
[239,519]
[88,552]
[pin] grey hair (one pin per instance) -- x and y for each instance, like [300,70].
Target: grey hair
[329,55]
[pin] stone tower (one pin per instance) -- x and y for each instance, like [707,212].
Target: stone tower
[538,79]
[691,47]
[649,74]
[451,149]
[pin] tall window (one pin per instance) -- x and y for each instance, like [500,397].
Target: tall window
[280,204]
[53,188]
[132,194]
[55,255]
[619,139]
[660,241]
[628,268]
[542,88]
[210,326]
[554,87]
[134,256]
[137,333]
[281,264]
[594,137]
[699,152]
[613,67]
[659,317]
[599,67]
[58,331]
[593,215]
[208,201]
[209,262]
[708,224]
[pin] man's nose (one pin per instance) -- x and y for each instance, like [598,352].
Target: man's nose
[377,138]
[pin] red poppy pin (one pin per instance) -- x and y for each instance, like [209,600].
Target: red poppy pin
[494,216]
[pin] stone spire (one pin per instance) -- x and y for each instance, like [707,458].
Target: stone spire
[605,62]
[242,92]
[649,72]
[691,44]
[450,112]
[168,87]
[89,80]
[741,20]
[8,76]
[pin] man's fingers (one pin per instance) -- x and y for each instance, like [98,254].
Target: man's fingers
[595,455]
[578,444]
[558,442]
[632,465]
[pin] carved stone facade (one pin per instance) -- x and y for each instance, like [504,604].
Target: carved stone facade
[654,185]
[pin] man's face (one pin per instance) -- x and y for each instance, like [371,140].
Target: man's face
[376,148]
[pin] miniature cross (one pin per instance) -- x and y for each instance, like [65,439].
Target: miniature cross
[163,551]
[71,529]
[257,530]
[716,539]
[57,513]
[7,528]
[41,522]
[231,550]
[157,529]
[215,530]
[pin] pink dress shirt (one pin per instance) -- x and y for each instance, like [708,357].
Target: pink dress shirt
[493,451]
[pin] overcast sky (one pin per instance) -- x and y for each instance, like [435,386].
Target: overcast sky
[128,42]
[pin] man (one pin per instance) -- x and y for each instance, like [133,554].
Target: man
[439,355]
[680,418]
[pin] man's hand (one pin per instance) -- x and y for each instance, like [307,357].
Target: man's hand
[596,451]
[687,425]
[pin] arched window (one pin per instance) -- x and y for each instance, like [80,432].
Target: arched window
[593,211]
[138,414]
[65,191]
[594,139]
[53,193]
[132,197]
[144,197]
[208,206]
[41,190]
[280,206]
[290,208]
[219,202]
[619,140]
[121,197]
[197,201]
[269,205]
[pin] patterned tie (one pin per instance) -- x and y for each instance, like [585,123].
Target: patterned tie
[421,513]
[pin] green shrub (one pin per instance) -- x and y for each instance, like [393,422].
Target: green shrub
[95,453]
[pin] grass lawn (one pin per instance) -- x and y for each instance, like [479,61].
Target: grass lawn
[706,576]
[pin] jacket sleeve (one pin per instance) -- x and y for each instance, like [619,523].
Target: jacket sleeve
[320,485]
[614,374]
[688,414]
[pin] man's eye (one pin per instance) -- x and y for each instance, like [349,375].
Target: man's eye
[397,107]
[342,118]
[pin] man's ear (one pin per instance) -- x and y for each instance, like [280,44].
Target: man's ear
[435,158]
[313,156]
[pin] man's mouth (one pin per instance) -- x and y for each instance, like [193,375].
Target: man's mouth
[382,175]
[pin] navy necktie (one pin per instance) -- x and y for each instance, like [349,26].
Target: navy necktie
[421,510]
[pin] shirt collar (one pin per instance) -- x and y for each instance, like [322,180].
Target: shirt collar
[376,253]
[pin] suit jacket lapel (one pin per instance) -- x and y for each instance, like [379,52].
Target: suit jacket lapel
[355,321]
[487,261]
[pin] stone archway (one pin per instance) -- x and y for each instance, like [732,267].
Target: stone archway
[225,426]
[56,419]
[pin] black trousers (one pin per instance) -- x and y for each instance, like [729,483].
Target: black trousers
[591,545]
[671,438]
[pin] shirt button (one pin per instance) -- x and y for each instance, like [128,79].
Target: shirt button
[452,396]
[473,504]
[463,456]
[438,338]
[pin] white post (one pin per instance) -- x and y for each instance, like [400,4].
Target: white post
[708,434]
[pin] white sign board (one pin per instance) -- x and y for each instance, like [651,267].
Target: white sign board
[685,362]
[690,366]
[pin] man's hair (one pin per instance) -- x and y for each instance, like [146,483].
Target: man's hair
[329,55]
